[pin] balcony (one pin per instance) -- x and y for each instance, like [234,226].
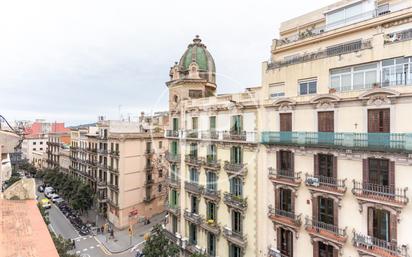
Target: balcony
[114,170]
[173,208]
[211,225]
[171,236]
[149,152]
[211,194]
[234,136]
[148,199]
[173,182]
[399,36]
[149,182]
[211,163]
[273,252]
[103,151]
[387,142]
[192,134]
[193,188]
[326,184]
[376,247]
[193,160]
[114,153]
[234,201]
[286,218]
[285,177]
[237,169]
[112,203]
[211,135]
[172,134]
[113,187]
[234,237]
[326,231]
[172,158]
[192,217]
[389,195]
[101,184]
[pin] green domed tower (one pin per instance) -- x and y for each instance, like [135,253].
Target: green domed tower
[194,76]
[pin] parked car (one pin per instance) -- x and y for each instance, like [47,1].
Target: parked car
[45,203]
[40,188]
[55,198]
[48,191]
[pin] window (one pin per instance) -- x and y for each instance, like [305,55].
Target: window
[237,222]
[41,142]
[174,148]
[285,161]
[193,150]
[194,175]
[160,144]
[175,124]
[350,14]
[286,242]
[235,251]
[211,211]
[285,199]
[325,165]
[285,121]
[41,149]
[192,234]
[354,78]
[195,123]
[325,250]
[211,181]
[174,224]
[236,186]
[173,174]
[379,172]
[326,210]
[212,123]
[378,121]
[326,123]
[34,143]
[194,204]
[276,90]
[211,244]
[236,155]
[307,87]
[237,124]
[34,149]
[159,188]
[148,146]
[174,196]
[396,71]
[160,173]
[380,223]
[211,153]
[195,93]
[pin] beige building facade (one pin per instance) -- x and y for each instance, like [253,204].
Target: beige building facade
[316,161]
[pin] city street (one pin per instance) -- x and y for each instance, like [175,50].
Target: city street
[86,246]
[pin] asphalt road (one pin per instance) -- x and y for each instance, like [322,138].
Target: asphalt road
[86,246]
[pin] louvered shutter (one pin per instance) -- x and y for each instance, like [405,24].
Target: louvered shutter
[335,167]
[292,162]
[279,238]
[393,227]
[315,208]
[365,171]
[278,163]
[315,249]
[316,165]
[370,221]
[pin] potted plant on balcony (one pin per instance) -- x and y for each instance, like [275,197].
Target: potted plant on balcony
[210,222]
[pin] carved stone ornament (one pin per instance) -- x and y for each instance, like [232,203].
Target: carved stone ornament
[378,100]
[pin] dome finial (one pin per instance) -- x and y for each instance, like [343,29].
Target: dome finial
[197,39]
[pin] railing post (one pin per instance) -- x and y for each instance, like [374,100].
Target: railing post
[408,141]
[348,139]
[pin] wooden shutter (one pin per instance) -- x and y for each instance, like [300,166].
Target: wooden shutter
[335,166]
[335,213]
[316,165]
[365,170]
[290,242]
[292,162]
[386,126]
[278,163]
[285,121]
[315,208]
[277,198]
[392,174]
[293,201]
[326,121]
[393,227]
[379,121]
[335,252]
[279,238]
[315,249]
[370,221]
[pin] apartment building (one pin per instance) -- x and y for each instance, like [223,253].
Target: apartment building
[336,136]
[57,141]
[33,146]
[122,161]
[212,161]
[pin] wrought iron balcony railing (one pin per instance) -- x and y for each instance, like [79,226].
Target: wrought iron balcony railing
[193,217]
[173,182]
[235,237]
[324,183]
[193,187]
[235,201]
[273,252]
[380,193]
[211,194]
[192,134]
[378,247]
[211,163]
[101,184]
[173,208]
[211,226]
[285,217]
[329,231]
[193,160]
[238,169]
[172,133]
[393,142]
[285,176]
[172,157]
[398,36]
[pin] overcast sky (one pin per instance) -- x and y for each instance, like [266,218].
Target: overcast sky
[74,60]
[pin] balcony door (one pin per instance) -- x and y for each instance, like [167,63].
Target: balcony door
[285,242]
[285,200]
[379,224]
[326,125]
[326,210]
[236,125]
[378,123]
[285,127]
[325,250]
[285,163]
[175,124]
[379,172]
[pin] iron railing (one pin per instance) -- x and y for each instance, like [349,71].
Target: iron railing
[296,219]
[317,226]
[212,163]
[235,236]
[372,244]
[173,181]
[171,157]
[235,168]
[211,193]
[193,159]
[234,136]
[235,201]
[380,192]
[193,187]
[193,217]
[284,174]
[173,208]
[326,182]
[398,36]
[395,142]
[172,133]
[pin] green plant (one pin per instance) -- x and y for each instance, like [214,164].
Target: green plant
[158,245]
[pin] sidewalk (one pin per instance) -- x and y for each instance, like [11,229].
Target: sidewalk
[121,241]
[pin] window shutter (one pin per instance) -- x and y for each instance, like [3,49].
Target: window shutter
[315,208]
[335,214]
[316,165]
[278,238]
[292,162]
[365,170]
[335,167]
[240,124]
[315,249]
[278,162]
[370,221]
[393,227]
[293,201]
[290,242]
[277,198]
[335,252]
[392,174]
[386,121]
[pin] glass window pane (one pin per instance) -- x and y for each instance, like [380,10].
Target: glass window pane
[346,82]
[303,88]
[369,66]
[358,80]
[312,87]
[370,78]
[388,62]
[335,82]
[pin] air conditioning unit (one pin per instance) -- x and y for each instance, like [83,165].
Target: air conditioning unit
[276,252]
[312,181]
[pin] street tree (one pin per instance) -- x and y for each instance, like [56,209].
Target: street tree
[158,245]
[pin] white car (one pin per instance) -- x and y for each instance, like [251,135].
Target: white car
[55,198]
[48,191]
